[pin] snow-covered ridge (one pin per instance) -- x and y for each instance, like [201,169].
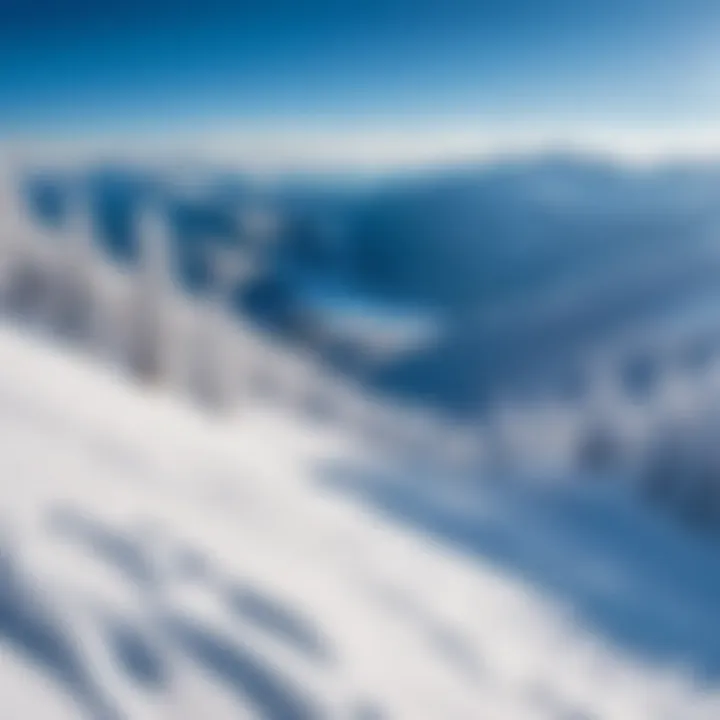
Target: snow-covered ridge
[157,563]
[143,324]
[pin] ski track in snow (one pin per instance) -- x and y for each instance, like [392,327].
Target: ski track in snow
[157,563]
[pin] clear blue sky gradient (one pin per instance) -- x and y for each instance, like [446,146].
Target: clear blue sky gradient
[125,66]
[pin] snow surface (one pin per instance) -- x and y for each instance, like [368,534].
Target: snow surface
[159,563]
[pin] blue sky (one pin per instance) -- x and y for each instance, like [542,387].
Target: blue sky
[79,68]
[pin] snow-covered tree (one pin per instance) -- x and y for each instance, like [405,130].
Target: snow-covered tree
[149,342]
[75,302]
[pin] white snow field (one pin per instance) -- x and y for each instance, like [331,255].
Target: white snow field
[156,562]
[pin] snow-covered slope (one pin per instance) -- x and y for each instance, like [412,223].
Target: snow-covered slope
[157,563]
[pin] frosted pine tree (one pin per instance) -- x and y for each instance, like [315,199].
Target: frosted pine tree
[14,223]
[219,348]
[19,277]
[74,305]
[150,320]
[224,346]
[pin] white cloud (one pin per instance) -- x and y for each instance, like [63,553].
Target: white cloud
[369,148]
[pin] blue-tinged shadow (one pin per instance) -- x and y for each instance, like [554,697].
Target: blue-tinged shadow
[626,574]
[270,615]
[243,672]
[124,553]
[28,625]
[233,663]
[141,661]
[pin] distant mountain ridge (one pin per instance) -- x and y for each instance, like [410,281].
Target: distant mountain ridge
[525,258]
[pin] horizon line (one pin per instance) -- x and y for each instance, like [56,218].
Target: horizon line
[315,150]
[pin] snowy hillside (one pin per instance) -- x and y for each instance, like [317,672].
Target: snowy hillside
[158,563]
